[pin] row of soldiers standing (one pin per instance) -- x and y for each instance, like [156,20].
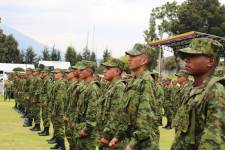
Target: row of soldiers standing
[125,113]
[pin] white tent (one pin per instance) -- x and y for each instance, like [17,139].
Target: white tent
[56,64]
[8,67]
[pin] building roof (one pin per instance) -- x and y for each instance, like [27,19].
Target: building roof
[56,64]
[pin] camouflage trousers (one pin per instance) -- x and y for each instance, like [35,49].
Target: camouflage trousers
[83,143]
[45,115]
[58,125]
[36,111]
[69,137]
[28,108]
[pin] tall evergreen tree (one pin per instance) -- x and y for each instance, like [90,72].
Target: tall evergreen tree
[71,55]
[93,57]
[106,55]
[30,56]
[46,54]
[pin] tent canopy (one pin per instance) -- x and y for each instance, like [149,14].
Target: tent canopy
[183,40]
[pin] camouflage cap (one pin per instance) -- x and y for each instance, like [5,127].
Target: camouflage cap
[29,69]
[219,72]
[78,64]
[114,63]
[86,64]
[154,74]
[183,73]
[58,70]
[46,70]
[202,46]
[36,70]
[139,51]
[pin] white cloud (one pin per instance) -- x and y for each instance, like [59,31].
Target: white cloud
[118,23]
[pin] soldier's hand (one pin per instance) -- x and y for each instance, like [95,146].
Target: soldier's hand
[66,120]
[128,147]
[104,141]
[83,133]
[72,125]
[113,143]
[27,97]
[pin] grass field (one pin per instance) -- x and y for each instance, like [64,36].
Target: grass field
[15,137]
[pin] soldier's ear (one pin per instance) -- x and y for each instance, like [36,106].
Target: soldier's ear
[211,62]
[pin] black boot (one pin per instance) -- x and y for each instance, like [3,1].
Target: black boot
[169,124]
[45,132]
[27,122]
[61,143]
[51,138]
[52,141]
[36,127]
[56,146]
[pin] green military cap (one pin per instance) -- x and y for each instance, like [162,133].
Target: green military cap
[154,74]
[78,64]
[86,64]
[46,70]
[22,73]
[58,70]
[219,72]
[139,51]
[114,63]
[182,73]
[202,46]
[36,70]
[29,69]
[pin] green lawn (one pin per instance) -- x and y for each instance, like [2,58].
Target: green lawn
[15,137]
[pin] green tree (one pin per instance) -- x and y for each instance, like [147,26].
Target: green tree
[106,55]
[46,54]
[79,57]
[55,54]
[71,55]
[30,56]
[93,56]
[86,55]
[206,16]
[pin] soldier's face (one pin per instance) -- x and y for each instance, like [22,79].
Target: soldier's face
[85,73]
[76,73]
[198,64]
[70,76]
[135,62]
[110,73]
[35,73]
[58,75]
[29,72]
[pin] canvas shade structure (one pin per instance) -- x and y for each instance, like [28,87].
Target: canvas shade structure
[180,41]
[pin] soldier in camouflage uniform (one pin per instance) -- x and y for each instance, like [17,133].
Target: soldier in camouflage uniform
[200,120]
[167,104]
[85,110]
[27,99]
[159,95]
[179,89]
[58,95]
[109,103]
[72,84]
[20,92]
[138,121]
[45,102]
[35,92]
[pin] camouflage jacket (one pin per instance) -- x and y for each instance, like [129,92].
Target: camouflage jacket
[200,120]
[109,105]
[87,105]
[58,94]
[138,121]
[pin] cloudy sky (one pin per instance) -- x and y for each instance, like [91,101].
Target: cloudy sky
[116,24]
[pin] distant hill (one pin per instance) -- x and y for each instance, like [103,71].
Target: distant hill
[23,40]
